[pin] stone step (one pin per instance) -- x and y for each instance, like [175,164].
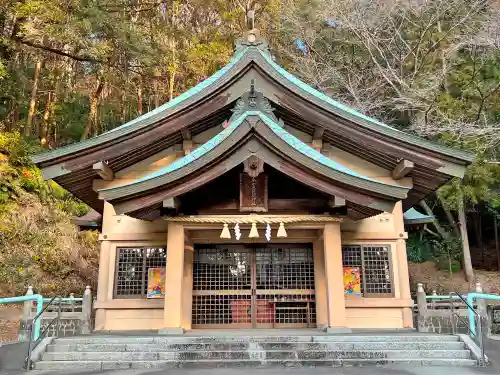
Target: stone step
[246,339]
[68,346]
[200,364]
[254,355]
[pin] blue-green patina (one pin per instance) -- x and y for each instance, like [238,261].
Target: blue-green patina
[310,152]
[412,216]
[319,94]
[187,94]
[290,139]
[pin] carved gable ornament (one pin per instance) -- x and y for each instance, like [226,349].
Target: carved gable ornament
[253,186]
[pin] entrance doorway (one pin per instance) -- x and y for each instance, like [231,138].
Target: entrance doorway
[253,286]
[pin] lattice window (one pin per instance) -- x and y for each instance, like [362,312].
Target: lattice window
[132,265]
[375,268]
[285,268]
[221,269]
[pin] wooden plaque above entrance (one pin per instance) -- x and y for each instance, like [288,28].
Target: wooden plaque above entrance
[253,193]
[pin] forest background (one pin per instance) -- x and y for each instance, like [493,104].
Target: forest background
[73,69]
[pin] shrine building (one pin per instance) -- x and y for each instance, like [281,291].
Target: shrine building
[253,201]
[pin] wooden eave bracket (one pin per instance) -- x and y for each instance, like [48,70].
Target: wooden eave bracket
[172,203]
[403,168]
[317,142]
[104,171]
[336,202]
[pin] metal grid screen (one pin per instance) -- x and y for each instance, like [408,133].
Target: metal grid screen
[285,286]
[285,268]
[132,265]
[221,269]
[245,287]
[222,283]
[375,268]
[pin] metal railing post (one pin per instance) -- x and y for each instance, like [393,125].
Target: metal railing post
[58,326]
[481,342]
[452,315]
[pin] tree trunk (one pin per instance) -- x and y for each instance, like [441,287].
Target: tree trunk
[139,99]
[497,245]
[34,90]
[450,218]
[123,112]
[171,85]
[157,94]
[45,123]
[469,272]
[438,226]
[94,102]
[52,120]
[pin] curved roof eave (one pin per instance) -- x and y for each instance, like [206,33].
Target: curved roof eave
[144,120]
[309,93]
[302,89]
[136,206]
[160,177]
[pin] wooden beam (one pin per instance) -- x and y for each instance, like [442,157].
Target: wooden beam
[403,168]
[172,203]
[104,171]
[336,202]
[318,132]
[186,134]
[294,204]
[187,146]
[317,142]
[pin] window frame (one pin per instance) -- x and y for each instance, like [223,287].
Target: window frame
[362,247]
[143,247]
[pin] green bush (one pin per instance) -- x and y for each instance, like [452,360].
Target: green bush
[18,172]
[448,253]
[418,249]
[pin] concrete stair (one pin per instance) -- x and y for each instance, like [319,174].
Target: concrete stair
[127,352]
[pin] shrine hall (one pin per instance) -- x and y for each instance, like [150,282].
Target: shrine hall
[253,201]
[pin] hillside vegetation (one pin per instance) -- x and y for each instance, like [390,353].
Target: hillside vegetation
[39,245]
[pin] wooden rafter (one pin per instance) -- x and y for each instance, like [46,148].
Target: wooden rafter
[403,168]
[104,171]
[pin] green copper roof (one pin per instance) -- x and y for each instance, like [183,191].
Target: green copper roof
[185,95]
[342,110]
[125,128]
[375,124]
[412,216]
[197,153]
[291,140]
[310,152]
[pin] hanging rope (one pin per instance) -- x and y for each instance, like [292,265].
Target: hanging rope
[254,219]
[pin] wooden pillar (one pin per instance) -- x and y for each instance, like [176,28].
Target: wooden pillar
[334,279]
[174,278]
[402,264]
[102,285]
[320,284]
[187,292]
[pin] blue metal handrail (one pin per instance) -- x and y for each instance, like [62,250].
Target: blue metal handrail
[39,306]
[470,299]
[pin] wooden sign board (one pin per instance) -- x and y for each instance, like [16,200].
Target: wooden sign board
[253,193]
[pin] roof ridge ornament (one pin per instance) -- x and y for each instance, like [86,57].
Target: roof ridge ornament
[253,100]
[251,37]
